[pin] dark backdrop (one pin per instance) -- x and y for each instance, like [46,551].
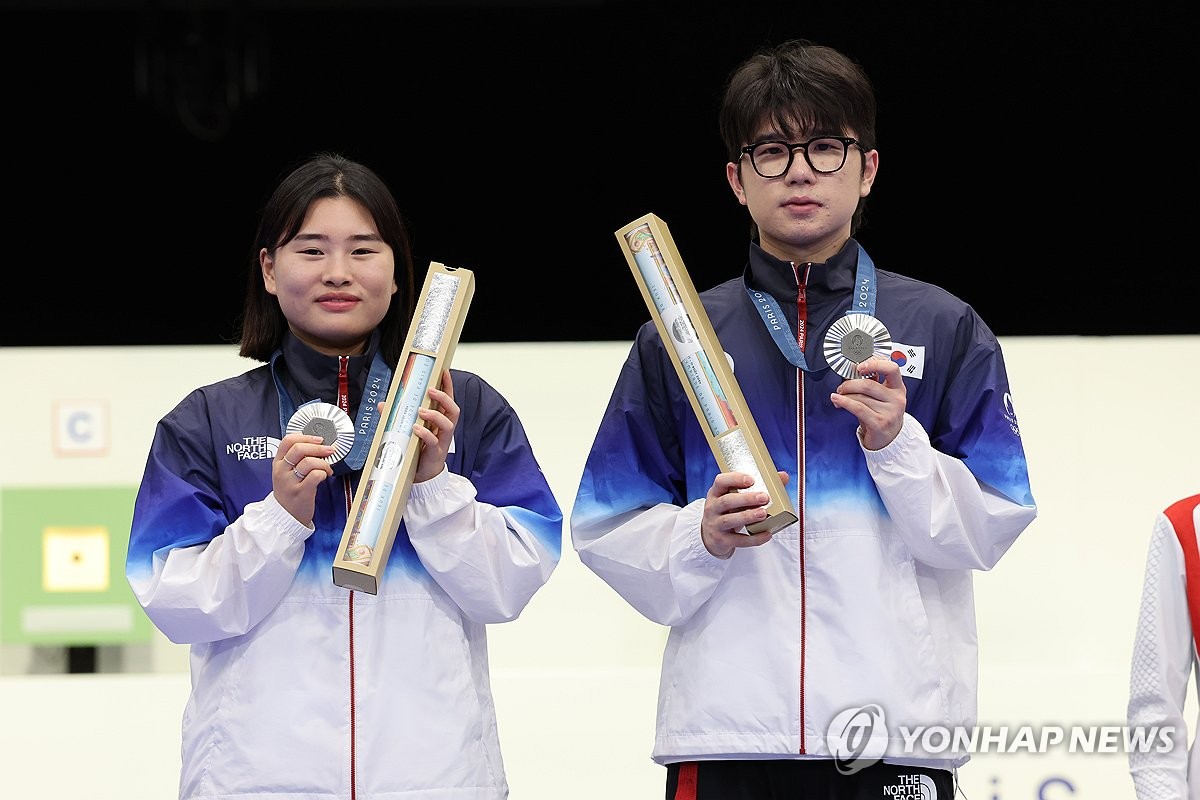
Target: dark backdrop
[1033,156]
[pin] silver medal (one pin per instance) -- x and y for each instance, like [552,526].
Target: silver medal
[853,339]
[333,425]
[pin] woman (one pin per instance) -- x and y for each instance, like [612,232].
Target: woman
[301,688]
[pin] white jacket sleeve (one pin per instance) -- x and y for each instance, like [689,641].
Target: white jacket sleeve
[656,560]
[485,558]
[1163,659]
[225,587]
[945,515]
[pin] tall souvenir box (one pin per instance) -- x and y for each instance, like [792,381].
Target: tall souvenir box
[387,478]
[701,364]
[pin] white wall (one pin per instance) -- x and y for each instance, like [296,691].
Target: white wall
[1108,425]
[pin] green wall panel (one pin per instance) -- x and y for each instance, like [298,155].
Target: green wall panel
[62,567]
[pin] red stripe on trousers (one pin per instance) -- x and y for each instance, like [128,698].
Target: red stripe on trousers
[685,789]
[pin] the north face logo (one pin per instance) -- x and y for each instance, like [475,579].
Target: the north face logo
[253,448]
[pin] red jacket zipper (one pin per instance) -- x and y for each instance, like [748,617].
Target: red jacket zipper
[801,335]
[343,401]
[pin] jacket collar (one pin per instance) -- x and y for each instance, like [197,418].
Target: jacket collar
[781,279]
[309,375]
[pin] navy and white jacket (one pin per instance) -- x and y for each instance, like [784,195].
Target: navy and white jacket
[866,601]
[303,689]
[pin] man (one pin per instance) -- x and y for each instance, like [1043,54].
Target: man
[907,473]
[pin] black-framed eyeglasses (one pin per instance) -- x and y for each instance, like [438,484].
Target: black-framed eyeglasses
[825,154]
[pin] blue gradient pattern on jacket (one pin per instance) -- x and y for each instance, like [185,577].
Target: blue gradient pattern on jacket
[868,598]
[963,402]
[302,688]
[212,455]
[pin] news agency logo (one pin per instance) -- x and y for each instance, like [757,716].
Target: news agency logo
[858,737]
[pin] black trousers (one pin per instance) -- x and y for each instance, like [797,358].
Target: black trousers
[787,779]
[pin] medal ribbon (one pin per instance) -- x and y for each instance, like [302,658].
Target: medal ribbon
[863,302]
[343,399]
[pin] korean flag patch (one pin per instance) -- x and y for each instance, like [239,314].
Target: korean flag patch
[910,358]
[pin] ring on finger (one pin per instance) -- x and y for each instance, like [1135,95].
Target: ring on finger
[290,464]
[296,472]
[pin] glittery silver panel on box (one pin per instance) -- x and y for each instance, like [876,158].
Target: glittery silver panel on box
[436,313]
[738,457]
